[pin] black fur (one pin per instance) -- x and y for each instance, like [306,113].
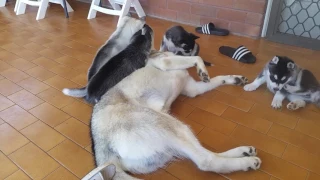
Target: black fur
[120,66]
[280,69]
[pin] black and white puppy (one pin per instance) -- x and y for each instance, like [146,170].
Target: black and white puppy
[286,80]
[133,57]
[180,42]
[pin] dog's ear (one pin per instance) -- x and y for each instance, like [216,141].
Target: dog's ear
[290,65]
[274,60]
[194,36]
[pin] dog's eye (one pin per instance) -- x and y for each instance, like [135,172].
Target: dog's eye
[275,77]
[283,78]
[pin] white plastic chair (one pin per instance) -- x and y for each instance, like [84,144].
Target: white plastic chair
[117,10]
[20,7]
[3,3]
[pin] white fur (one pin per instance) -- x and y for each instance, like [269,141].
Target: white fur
[132,129]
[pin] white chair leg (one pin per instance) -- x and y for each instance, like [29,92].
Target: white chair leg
[138,8]
[16,5]
[21,8]
[125,9]
[42,9]
[2,3]
[93,12]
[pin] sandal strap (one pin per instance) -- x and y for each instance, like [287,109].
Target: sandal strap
[206,29]
[240,52]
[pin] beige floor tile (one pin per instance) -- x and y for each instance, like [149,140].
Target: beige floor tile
[50,54]
[207,104]
[34,47]
[247,120]
[76,131]
[212,121]
[14,75]
[25,99]
[73,157]
[181,109]
[7,87]
[36,163]
[10,139]
[17,117]
[7,167]
[64,71]
[4,66]
[61,174]
[33,85]
[55,97]
[18,175]
[21,64]
[45,62]
[79,110]
[5,103]
[49,114]
[40,73]
[49,137]
[60,83]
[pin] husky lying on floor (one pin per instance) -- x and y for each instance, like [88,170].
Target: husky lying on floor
[125,34]
[132,130]
[286,80]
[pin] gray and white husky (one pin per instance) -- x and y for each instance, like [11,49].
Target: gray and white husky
[117,42]
[286,80]
[132,130]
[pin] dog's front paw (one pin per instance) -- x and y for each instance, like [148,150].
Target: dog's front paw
[240,80]
[276,104]
[204,76]
[250,87]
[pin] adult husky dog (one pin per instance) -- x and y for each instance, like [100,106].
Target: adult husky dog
[117,42]
[132,130]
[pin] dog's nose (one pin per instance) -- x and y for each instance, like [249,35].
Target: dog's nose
[276,89]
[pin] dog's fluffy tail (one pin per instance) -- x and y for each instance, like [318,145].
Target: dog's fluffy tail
[76,92]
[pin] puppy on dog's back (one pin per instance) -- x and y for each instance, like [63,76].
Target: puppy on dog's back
[116,43]
[120,66]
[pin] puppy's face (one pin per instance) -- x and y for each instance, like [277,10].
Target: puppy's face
[187,42]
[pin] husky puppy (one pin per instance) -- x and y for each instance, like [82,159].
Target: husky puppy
[118,67]
[180,42]
[117,42]
[286,80]
[132,130]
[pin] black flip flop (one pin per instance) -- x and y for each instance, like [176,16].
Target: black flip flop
[211,29]
[241,54]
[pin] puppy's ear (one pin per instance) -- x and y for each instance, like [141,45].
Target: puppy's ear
[194,36]
[274,60]
[291,65]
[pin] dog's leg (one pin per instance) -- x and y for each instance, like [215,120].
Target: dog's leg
[181,62]
[194,88]
[256,83]
[296,102]
[187,144]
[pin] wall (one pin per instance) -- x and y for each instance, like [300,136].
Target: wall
[243,17]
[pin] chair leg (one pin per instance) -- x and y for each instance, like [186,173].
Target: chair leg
[21,8]
[92,12]
[138,8]
[125,9]
[114,5]
[65,8]
[16,5]
[2,3]
[42,9]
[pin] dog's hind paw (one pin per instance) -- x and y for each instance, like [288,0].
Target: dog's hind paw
[252,163]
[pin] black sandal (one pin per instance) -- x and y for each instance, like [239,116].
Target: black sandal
[211,29]
[241,54]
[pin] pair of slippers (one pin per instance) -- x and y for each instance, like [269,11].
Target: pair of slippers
[241,54]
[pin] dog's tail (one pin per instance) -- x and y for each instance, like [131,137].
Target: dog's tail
[76,92]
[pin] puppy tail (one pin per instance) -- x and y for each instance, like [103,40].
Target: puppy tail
[76,92]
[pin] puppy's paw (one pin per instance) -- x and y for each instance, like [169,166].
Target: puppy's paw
[276,104]
[250,87]
[252,163]
[203,74]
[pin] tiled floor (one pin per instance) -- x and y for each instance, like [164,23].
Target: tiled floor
[45,135]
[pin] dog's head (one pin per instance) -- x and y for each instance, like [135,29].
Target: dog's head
[144,38]
[131,25]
